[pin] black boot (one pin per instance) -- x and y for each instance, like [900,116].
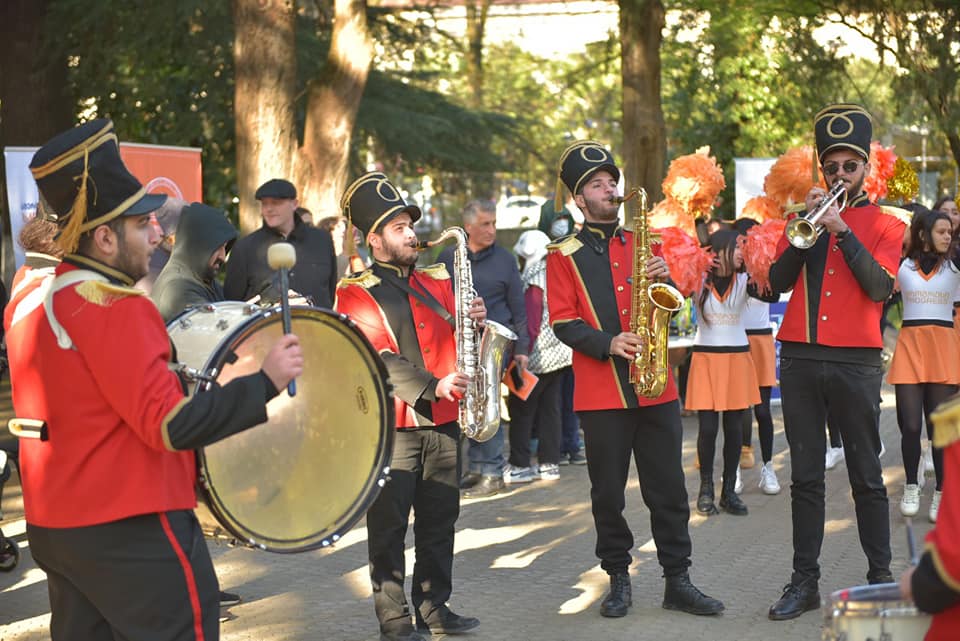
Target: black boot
[729,501]
[619,598]
[796,599]
[680,594]
[705,503]
[443,620]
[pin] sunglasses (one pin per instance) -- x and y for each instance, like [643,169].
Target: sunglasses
[849,166]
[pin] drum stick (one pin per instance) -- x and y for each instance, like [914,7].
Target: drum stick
[911,542]
[281,257]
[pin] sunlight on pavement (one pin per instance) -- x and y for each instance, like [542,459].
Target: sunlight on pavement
[833,526]
[592,585]
[524,558]
[31,576]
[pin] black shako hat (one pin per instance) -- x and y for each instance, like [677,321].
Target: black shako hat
[578,162]
[276,188]
[372,200]
[83,180]
[843,126]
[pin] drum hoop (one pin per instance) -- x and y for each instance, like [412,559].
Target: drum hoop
[378,473]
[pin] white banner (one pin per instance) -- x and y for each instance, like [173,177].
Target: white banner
[22,195]
[750,173]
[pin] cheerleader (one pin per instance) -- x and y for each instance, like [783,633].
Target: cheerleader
[722,375]
[756,321]
[925,368]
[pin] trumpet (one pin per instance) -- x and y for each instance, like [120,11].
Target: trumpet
[802,232]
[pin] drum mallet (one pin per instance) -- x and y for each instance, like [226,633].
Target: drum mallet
[281,257]
[911,542]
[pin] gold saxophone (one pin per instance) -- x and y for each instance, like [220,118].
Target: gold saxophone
[651,305]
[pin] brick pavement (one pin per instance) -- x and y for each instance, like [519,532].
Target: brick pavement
[525,565]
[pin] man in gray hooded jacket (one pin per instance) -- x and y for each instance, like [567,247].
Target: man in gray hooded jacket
[203,240]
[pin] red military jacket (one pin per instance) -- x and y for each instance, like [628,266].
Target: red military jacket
[588,295]
[108,455]
[943,542]
[355,297]
[839,313]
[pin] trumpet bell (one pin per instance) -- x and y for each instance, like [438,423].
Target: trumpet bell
[801,233]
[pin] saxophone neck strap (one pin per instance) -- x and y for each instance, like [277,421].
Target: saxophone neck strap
[424,297]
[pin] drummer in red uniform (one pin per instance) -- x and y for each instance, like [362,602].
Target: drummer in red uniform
[406,314]
[588,277]
[830,345]
[109,484]
[934,584]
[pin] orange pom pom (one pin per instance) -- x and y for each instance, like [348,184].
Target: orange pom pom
[694,181]
[669,213]
[791,176]
[762,208]
[759,248]
[882,167]
[688,262]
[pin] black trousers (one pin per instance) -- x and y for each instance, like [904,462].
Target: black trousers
[541,409]
[423,475]
[146,578]
[848,396]
[653,437]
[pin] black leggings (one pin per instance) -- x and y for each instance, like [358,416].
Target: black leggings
[707,442]
[764,425]
[915,402]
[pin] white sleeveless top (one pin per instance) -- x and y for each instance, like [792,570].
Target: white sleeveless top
[928,297]
[725,317]
[756,315]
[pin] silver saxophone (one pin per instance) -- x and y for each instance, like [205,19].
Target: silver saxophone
[478,356]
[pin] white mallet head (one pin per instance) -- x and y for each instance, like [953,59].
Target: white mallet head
[281,256]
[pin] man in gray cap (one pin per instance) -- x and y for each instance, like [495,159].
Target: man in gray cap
[315,273]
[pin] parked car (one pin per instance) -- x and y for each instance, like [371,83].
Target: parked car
[519,212]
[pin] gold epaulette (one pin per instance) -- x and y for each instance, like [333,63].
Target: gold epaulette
[903,215]
[437,271]
[795,208]
[105,294]
[365,279]
[946,420]
[566,245]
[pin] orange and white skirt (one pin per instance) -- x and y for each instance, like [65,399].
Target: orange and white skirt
[926,354]
[764,354]
[721,381]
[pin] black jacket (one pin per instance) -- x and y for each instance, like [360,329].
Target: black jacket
[187,279]
[314,274]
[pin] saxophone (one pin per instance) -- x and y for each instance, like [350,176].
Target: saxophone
[651,305]
[478,356]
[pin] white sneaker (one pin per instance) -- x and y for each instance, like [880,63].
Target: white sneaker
[928,458]
[910,503]
[738,486]
[549,472]
[834,457]
[513,475]
[935,506]
[768,479]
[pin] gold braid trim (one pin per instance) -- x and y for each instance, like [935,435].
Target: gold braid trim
[945,576]
[365,279]
[105,294]
[437,271]
[566,245]
[903,215]
[165,424]
[946,420]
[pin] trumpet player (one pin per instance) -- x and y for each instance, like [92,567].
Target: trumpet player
[405,313]
[589,277]
[830,365]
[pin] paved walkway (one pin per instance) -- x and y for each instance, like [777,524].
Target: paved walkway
[525,566]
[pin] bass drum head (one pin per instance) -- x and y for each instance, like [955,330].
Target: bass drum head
[304,478]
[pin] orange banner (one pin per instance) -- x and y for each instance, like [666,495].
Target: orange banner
[175,171]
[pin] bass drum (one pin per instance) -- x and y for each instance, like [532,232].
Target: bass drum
[873,613]
[305,477]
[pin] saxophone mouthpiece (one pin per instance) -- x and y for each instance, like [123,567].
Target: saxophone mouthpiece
[423,245]
[619,200]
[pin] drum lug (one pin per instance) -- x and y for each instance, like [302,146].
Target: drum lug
[185,323]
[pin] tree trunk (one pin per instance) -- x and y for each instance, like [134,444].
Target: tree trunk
[265,61]
[476,24]
[644,134]
[332,104]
